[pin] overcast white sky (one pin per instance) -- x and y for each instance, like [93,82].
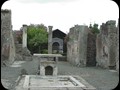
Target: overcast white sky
[61,14]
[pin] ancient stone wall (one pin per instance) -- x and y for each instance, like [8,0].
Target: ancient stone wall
[77,45]
[7,40]
[117,50]
[112,37]
[91,49]
[17,36]
[106,45]
[22,52]
[71,55]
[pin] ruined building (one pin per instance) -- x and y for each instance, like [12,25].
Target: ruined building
[58,45]
[81,46]
[18,44]
[87,49]
[20,37]
[7,40]
[106,45]
[56,42]
[77,45]
[10,49]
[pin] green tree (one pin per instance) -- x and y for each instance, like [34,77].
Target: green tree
[37,38]
[94,28]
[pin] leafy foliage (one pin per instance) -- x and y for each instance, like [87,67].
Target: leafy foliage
[94,28]
[37,37]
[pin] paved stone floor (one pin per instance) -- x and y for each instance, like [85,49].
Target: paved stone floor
[101,79]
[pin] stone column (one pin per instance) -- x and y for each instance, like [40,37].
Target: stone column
[50,40]
[24,39]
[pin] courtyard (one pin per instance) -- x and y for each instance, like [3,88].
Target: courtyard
[101,79]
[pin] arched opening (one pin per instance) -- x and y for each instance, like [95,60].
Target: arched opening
[55,47]
[48,70]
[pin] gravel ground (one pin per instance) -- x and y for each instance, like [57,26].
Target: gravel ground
[101,79]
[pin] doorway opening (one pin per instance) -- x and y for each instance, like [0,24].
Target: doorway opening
[48,70]
[55,47]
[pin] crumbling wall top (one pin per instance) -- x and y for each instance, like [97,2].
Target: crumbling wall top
[5,11]
[24,25]
[111,22]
